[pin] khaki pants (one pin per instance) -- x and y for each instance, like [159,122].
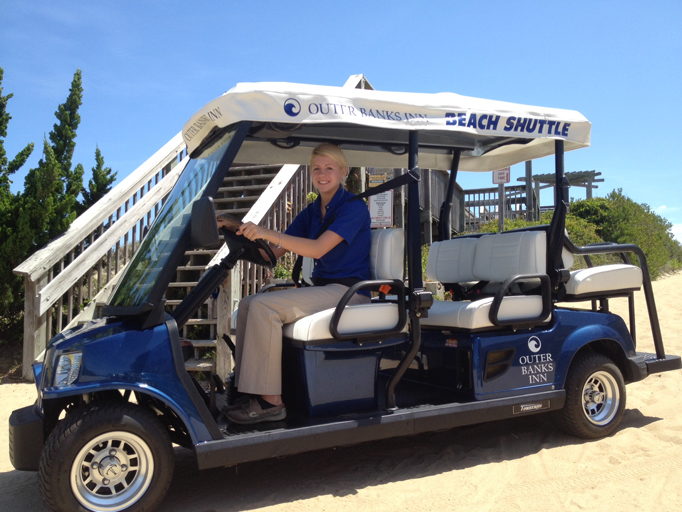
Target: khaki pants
[258,357]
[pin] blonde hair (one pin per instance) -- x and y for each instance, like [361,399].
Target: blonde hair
[331,151]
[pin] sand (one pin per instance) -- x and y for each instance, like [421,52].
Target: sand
[516,465]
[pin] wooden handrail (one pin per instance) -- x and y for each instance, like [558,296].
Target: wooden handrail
[41,261]
[67,278]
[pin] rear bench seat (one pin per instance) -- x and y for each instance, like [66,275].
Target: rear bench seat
[600,281]
[506,259]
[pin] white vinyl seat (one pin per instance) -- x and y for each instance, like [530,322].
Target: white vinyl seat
[493,258]
[602,280]
[386,262]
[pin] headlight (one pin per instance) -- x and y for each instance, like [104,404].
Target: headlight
[68,368]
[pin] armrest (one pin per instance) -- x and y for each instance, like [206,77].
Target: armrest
[396,284]
[545,292]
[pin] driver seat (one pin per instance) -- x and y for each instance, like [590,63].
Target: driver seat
[386,262]
[325,374]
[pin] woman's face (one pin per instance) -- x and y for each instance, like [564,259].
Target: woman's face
[326,174]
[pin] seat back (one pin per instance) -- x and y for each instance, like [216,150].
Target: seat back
[501,256]
[492,258]
[387,255]
[452,261]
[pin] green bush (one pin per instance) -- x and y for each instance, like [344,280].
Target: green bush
[619,219]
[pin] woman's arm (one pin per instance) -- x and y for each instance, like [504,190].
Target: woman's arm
[299,245]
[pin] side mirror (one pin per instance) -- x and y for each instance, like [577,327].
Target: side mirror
[204,230]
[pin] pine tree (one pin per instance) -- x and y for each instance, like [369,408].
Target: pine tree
[63,141]
[99,184]
[10,302]
[8,167]
[47,206]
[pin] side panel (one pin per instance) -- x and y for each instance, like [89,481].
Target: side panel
[506,364]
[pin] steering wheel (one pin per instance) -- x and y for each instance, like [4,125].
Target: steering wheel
[250,249]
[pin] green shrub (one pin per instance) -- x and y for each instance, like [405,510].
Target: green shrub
[619,219]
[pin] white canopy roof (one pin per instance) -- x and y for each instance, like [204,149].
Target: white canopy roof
[291,118]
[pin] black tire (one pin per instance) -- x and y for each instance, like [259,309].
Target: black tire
[110,457]
[595,397]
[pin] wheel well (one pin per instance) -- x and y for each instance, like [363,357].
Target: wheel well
[56,410]
[613,351]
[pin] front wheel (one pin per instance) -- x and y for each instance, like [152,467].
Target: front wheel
[111,457]
[595,398]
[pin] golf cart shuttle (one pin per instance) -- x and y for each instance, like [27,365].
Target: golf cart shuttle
[113,394]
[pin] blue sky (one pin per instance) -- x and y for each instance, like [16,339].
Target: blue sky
[148,65]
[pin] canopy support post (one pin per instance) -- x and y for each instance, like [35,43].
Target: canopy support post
[445,221]
[420,299]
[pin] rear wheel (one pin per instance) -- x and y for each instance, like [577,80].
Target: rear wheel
[595,397]
[111,457]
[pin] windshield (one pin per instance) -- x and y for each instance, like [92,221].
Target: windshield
[157,248]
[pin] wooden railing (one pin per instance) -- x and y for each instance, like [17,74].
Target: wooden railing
[65,277]
[482,205]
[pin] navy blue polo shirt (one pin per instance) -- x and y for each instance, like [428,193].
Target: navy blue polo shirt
[351,222]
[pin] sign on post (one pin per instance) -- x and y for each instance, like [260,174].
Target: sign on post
[500,177]
[381,204]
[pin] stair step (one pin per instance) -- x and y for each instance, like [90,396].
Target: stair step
[244,199]
[248,177]
[201,252]
[242,188]
[254,167]
[233,211]
[198,268]
[201,321]
[182,284]
[203,343]
[199,365]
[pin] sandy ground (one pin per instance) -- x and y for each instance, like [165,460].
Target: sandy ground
[516,465]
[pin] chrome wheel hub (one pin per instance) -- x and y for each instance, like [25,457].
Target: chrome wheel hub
[601,398]
[112,471]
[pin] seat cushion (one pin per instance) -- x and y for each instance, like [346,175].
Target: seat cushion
[361,319]
[604,278]
[475,315]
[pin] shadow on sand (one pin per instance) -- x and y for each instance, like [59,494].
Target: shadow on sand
[338,472]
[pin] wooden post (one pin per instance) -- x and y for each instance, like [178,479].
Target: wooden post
[500,207]
[228,300]
[224,361]
[530,203]
[35,332]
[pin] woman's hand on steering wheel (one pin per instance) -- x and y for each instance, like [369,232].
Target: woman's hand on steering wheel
[253,247]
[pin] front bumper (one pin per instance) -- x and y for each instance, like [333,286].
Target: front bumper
[26,438]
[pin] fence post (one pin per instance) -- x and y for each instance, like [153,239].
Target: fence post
[35,331]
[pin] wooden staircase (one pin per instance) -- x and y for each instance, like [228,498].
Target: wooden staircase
[238,193]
